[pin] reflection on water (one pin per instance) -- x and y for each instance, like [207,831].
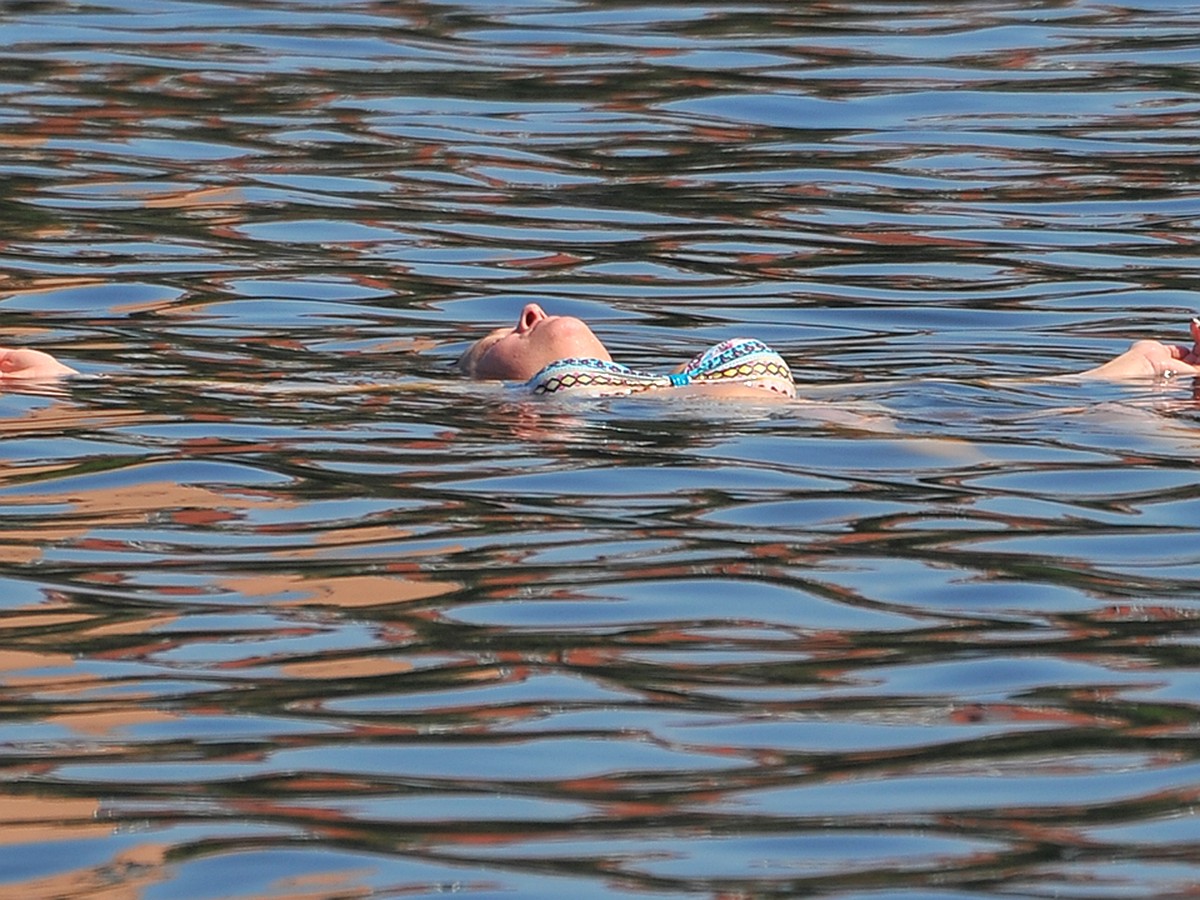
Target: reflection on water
[288,611]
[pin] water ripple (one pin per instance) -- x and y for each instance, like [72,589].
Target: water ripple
[290,610]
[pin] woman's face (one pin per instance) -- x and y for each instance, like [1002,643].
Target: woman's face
[520,352]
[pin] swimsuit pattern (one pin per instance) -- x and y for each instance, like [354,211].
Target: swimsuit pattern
[737,360]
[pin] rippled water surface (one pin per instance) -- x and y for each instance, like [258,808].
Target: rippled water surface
[290,610]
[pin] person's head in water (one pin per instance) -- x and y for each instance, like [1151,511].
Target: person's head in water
[520,352]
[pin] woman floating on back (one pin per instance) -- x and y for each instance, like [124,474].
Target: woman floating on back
[555,354]
[561,355]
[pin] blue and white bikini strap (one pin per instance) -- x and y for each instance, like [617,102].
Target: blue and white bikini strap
[737,360]
[567,374]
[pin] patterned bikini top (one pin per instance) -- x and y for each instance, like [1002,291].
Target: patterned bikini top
[741,360]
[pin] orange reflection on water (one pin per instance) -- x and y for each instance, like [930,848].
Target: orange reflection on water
[125,876]
[347,591]
[13,662]
[30,818]
[82,511]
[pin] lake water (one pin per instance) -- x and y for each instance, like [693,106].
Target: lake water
[291,611]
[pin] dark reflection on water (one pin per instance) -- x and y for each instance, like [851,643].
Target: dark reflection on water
[289,611]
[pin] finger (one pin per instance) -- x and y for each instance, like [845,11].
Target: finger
[1178,351]
[1189,355]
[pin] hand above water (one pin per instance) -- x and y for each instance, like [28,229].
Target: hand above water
[31,365]
[1153,359]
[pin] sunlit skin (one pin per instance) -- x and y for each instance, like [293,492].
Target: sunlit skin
[1153,359]
[538,339]
[519,352]
[31,365]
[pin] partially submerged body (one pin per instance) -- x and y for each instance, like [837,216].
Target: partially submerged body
[561,355]
[556,354]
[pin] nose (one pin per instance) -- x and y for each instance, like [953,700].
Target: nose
[530,316]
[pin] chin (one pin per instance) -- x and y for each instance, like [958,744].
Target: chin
[565,336]
[519,358]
